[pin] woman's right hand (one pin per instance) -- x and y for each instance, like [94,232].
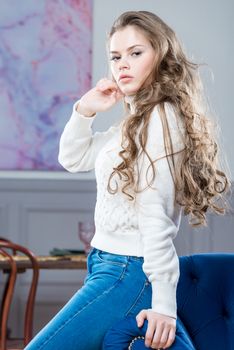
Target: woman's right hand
[103,96]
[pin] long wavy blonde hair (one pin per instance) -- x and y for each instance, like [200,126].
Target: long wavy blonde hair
[199,182]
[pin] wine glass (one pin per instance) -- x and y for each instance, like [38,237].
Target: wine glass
[86,231]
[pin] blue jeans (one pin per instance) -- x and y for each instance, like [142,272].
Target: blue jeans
[115,286]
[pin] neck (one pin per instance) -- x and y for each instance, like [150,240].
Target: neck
[129,99]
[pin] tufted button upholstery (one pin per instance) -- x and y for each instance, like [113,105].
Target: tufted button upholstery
[205,299]
[205,307]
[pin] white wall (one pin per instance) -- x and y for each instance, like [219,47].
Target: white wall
[206,29]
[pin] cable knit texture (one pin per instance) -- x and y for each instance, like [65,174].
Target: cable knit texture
[143,227]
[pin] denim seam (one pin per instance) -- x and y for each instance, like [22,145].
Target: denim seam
[146,283]
[49,338]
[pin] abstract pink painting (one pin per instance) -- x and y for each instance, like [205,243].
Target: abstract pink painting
[45,66]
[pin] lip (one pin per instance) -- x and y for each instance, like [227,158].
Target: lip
[125,77]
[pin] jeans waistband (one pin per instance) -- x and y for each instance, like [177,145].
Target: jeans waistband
[129,257]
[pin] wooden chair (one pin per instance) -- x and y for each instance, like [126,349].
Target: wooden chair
[8,250]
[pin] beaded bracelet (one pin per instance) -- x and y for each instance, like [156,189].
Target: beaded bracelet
[133,341]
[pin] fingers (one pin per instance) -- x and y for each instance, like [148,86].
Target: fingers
[160,332]
[108,86]
[171,338]
[160,337]
[141,317]
[119,94]
[163,337]
[150,335]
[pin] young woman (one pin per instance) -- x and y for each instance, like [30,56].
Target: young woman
[160,159]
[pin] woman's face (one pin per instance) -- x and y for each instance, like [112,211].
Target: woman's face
[131,55]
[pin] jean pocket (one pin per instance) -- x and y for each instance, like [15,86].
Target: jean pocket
[111,259]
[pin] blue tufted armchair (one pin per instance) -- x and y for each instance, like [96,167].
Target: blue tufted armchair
[205,308]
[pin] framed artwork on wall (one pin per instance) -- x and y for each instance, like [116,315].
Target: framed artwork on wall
[45,66]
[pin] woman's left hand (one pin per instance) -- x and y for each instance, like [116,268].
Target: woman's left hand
[160,331]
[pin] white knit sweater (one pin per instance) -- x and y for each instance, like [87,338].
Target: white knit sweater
[145,227]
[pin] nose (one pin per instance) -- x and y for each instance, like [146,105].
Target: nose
[123,64]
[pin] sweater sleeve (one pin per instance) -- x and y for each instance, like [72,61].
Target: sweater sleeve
[79,147]
[156,213]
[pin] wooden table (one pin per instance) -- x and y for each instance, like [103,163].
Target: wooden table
[69,262]
[23,264]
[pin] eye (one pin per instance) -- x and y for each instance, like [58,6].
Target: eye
[114,58]
[137,53]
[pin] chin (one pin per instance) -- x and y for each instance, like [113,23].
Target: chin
[129,92]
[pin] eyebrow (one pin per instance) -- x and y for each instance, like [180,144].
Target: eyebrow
[129,48]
